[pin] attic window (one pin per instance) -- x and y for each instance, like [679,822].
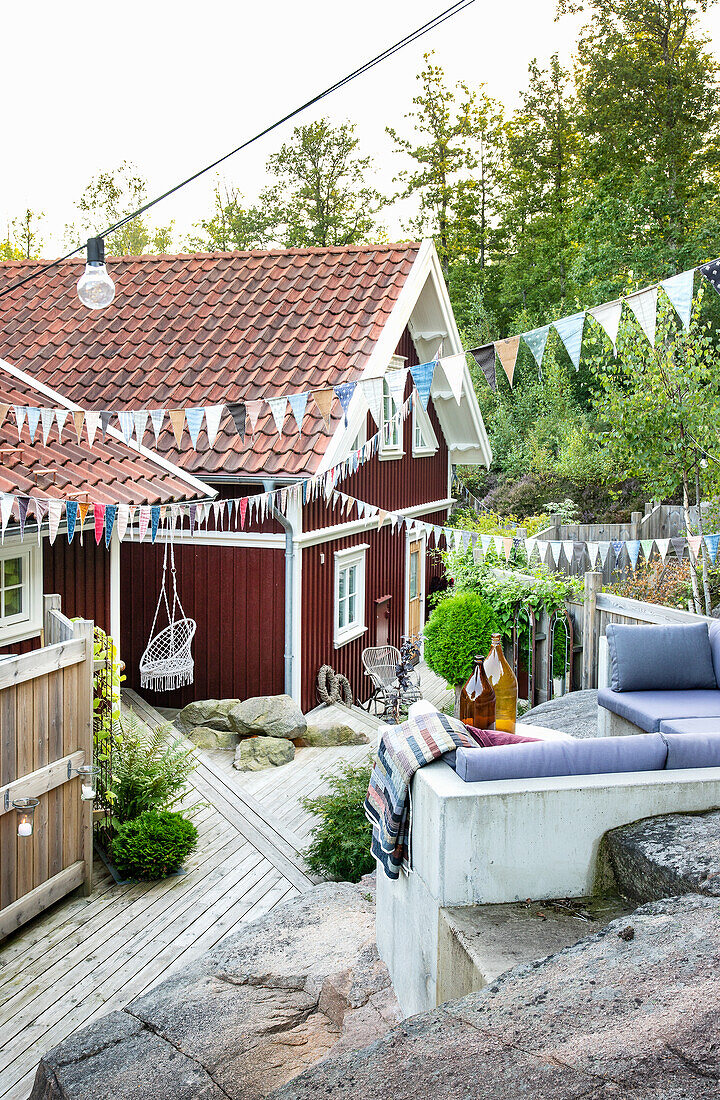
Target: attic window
[391,442]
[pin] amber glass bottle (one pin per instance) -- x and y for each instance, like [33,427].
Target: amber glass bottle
[504,683]
[477,700]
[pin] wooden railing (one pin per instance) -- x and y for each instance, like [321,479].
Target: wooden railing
[45,734]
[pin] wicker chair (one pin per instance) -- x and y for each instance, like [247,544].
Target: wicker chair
[380,664]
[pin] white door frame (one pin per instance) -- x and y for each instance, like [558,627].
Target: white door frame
[420,537]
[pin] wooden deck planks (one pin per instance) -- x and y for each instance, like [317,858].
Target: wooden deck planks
[88,956]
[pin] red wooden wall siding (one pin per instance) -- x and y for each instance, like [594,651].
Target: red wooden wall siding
[237,597]
[81,574]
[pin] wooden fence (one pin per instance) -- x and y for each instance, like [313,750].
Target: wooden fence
[46,731]
[589,617]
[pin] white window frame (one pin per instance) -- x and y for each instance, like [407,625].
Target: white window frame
[28,623]
[345,559]
[395,449]
[422,421]
[360,438]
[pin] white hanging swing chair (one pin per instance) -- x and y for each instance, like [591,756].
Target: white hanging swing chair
[167,663]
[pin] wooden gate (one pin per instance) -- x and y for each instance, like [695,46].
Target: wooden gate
[46,733]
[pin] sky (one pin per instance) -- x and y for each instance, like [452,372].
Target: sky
[170,86]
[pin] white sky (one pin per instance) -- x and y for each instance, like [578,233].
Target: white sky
[176,84]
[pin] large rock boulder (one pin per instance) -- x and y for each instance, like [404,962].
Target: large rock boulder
[325,729]
[213,714]
[203,737]
[662,856]
[269,715]
[265,1004]
[631,1011]
[575,713]
[255,753]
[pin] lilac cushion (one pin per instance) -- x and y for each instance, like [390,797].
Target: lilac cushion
[647,709]
[691,750]
[590,756]
[690,725]
[660,658]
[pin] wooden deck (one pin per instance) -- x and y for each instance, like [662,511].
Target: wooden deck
[88,956]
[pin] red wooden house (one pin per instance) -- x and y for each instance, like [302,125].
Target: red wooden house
[310,586]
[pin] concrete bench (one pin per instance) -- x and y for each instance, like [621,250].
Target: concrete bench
[508,840]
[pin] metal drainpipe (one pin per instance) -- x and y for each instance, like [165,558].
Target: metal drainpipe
[289,562]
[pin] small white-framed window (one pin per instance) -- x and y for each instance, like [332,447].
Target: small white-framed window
[391,440]
[350,593]
[424,439]
[20,592]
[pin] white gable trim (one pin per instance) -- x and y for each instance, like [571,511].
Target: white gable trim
[425,268]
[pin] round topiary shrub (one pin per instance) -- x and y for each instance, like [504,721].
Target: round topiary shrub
[458,629]
[153,845]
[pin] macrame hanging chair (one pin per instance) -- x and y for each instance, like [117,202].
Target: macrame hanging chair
[167,663]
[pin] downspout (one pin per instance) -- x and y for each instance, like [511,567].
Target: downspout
[289,562]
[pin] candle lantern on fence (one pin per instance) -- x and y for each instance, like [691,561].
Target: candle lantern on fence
[89,777]
[25,809]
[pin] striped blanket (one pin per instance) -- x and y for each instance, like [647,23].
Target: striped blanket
[388,807]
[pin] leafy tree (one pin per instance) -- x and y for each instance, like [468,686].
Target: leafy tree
[110,197]
[458,629]
[535,241]
[456,148]
[649,114]
[232,227]
[23,240]
[321,196]
[658,408]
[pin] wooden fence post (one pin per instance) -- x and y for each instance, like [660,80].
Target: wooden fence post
[593,585]
[635,522]
[84,629]
[49,603]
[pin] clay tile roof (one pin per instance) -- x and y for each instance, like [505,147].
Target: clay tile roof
[208,328]
[109,472]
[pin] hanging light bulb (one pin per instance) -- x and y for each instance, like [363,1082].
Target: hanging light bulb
[95,288]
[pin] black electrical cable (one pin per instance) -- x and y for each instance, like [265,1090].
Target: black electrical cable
[408,39]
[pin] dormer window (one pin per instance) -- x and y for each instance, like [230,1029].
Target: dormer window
[391,443]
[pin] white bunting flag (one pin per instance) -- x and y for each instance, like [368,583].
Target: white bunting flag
[569,548]
[278,408]
[156,419]
[608,317]
[140,418]
[646,546]
[604,548]
[143,520]
[123,517]
[498,544]
[644,306]
[454,367]
[593,550]
[127,423]
[213,416]
[485,541]
[6,504]
[679,289]
[92,420]
[396,384]
[55,510]
[47,417]
[372,389]
[60,417]
[20,418]
[663,546]
[556,547]
[33,419]
[530,548]
[194,420]
[542,549]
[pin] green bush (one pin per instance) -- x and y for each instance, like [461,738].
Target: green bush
[153,845]
[149,769]
[340,846]
[458,629]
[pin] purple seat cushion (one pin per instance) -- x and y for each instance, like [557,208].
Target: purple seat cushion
[591,756]
[660,658]
[690,725]
[485,739]
[691,750]
[648,709]
[714,637]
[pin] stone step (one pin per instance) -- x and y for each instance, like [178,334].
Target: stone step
[477,943]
